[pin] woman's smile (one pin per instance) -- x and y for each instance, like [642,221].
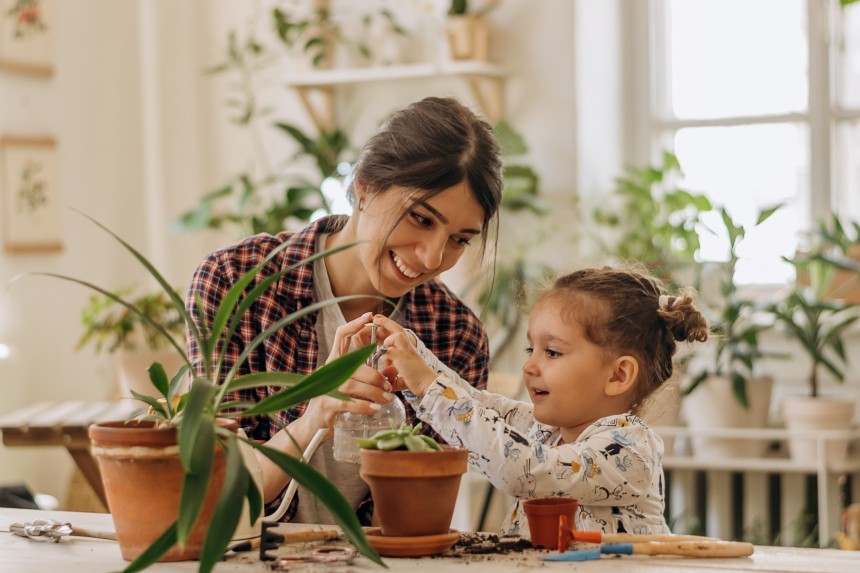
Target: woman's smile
[404,269]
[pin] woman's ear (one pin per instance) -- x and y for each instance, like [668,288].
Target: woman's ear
[625,371]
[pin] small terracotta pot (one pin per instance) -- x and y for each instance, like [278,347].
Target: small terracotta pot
[142,476]
[414,492]
[543,515]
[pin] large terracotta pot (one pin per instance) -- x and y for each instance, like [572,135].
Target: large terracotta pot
[142,476]
[414,493]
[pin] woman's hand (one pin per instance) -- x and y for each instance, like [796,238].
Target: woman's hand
[368,388]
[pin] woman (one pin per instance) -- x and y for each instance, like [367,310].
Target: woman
[425,187]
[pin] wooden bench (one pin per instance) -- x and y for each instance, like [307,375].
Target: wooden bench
[64,424]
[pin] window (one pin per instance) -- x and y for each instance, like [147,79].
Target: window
[760,101]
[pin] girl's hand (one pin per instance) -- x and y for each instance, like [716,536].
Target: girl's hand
[410,367]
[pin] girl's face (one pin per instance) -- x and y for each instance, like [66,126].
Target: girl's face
[429,239]
[565,374]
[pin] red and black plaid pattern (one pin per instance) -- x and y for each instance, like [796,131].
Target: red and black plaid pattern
[440,319]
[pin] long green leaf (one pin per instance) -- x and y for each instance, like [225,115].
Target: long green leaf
[323,380]
[278,325]
[328,494]
[113,296]
[158,377]
[262,287]
[177,300]
[197,453]
[228,509]
[264,379]
[153,403]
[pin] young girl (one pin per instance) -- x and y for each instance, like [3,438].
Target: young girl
[600,342]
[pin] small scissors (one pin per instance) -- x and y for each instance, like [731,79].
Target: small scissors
[321,555]
[50,529]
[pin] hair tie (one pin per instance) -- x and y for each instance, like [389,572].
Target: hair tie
[663,303]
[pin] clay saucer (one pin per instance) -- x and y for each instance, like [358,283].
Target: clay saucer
[390,546]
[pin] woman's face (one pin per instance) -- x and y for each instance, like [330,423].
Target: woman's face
[429,239]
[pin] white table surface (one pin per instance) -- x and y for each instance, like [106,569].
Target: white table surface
[87,555]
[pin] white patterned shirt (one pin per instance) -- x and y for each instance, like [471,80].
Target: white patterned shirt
[614,468]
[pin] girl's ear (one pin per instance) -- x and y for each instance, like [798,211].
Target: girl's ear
[625,371]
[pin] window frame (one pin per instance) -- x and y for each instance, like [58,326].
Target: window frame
[646,26]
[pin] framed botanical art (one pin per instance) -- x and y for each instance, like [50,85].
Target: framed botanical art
[29,183]
[27,36]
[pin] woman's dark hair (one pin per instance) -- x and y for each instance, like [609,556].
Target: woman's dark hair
[622,311]
[430,146]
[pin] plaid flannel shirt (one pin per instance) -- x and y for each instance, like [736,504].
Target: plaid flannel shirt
[440,319]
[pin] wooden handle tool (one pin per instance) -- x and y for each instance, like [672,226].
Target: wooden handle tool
[286,537]
[600,537]
[305,535]
[683,548]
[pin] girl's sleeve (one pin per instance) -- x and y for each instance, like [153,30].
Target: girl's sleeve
[520,413]
[606,468]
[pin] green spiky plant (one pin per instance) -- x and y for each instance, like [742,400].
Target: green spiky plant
[195,413]
[737,340]
[811,313]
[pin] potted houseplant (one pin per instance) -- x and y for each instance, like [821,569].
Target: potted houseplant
[402,467]
[728,393]
[817,322]
[193,431]
[113,328]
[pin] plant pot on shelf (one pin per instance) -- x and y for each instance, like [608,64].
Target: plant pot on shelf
[142,476]
[816,414]
[543,517]
[468,37]
[712,405]
[414,493]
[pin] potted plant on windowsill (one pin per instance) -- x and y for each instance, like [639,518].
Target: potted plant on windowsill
[817,322]
[189,436]
[111,327]
[728,393]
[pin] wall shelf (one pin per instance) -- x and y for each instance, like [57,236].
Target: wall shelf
[485,80]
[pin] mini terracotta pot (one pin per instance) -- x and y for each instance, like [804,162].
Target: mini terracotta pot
[414,492]
[142,476]
[543,516]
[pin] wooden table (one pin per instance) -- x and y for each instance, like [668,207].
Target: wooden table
[64,424]
[87,555]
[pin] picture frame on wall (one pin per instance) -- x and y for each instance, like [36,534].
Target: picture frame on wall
[27,37]
[31,199]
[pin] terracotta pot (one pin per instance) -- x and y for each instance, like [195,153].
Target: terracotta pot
[414,492]
[142,476]
[543,514]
